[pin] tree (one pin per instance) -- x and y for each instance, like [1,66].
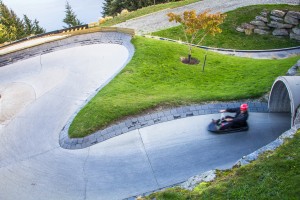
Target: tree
[113,7]
[32,27]
[37,29]
[197,26]
[7,34]
[28,25]
[13,28]
[71,18]
[13,25]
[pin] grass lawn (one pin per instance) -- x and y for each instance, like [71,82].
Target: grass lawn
[231,39]
[155,77]
[275,175]
[146,10]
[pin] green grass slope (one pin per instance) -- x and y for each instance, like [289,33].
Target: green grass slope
[156,77]
[231,39]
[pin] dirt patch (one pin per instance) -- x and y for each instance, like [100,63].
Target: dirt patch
[193,61]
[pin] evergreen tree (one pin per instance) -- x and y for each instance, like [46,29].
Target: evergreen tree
[113,7]
[28,25]
[13,28]
[71,19]
[106,6]
[32,27]
[37,29]
[12,24]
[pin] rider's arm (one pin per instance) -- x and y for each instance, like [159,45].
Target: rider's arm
[231,110]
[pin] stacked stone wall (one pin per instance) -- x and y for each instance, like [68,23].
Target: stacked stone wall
[282,23]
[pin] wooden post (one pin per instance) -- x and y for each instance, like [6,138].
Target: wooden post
[204,63]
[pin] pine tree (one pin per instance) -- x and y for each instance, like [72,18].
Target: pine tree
[13,28]
[32,27]
[28,25]
[37,29]
[13,24]
[113,7]
[71,19]
[106,6]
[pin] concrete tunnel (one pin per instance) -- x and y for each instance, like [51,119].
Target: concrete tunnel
[285,96]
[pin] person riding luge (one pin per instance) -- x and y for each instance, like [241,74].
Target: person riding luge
[239,120]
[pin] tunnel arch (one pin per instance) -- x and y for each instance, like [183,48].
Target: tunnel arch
[285,96]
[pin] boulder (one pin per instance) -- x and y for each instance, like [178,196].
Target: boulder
[264,13]
[294,36]
[247,26]
[279,25]
[240,29]
[280,32]
[296,30]
[248,31]
[258,23]
[192,182]
[293,14]
[292,71]
[298,64]
[261,32]
[278,13]
[263,27]
[291,20]
[276,19]
[260,18]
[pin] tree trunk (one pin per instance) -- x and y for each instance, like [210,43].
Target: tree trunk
[190,53]
[189,58]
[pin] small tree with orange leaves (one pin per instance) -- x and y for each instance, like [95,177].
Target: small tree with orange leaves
[197,26]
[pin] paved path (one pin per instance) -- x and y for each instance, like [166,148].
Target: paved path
[34,166]
[159,20]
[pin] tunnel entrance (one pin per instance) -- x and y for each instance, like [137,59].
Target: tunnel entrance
[279,99]
[285,96]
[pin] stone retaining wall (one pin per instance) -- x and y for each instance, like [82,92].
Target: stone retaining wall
[280,23]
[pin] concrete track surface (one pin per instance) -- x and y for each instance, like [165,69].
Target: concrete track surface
[54,85]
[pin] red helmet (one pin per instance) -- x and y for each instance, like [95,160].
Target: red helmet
[244,107]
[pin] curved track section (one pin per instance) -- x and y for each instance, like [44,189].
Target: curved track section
[285,96]
[34,166]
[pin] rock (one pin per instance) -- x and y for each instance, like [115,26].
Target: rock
[260,18]
[277,13]
[192,182]
[292,71]
[258,23]
[276,19]
[293,14]
[291,20]
[296,30]
[294,36]
[247,26]
[248,31]
[240,29]
[279,25]
[264,13]
[263,27]
[280,32]
[298,64]
[261,32]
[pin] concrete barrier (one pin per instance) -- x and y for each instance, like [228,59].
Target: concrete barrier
[285,96]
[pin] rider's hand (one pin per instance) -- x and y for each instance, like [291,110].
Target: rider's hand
[221,111]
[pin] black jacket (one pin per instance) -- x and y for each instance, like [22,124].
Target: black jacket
[240,118]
